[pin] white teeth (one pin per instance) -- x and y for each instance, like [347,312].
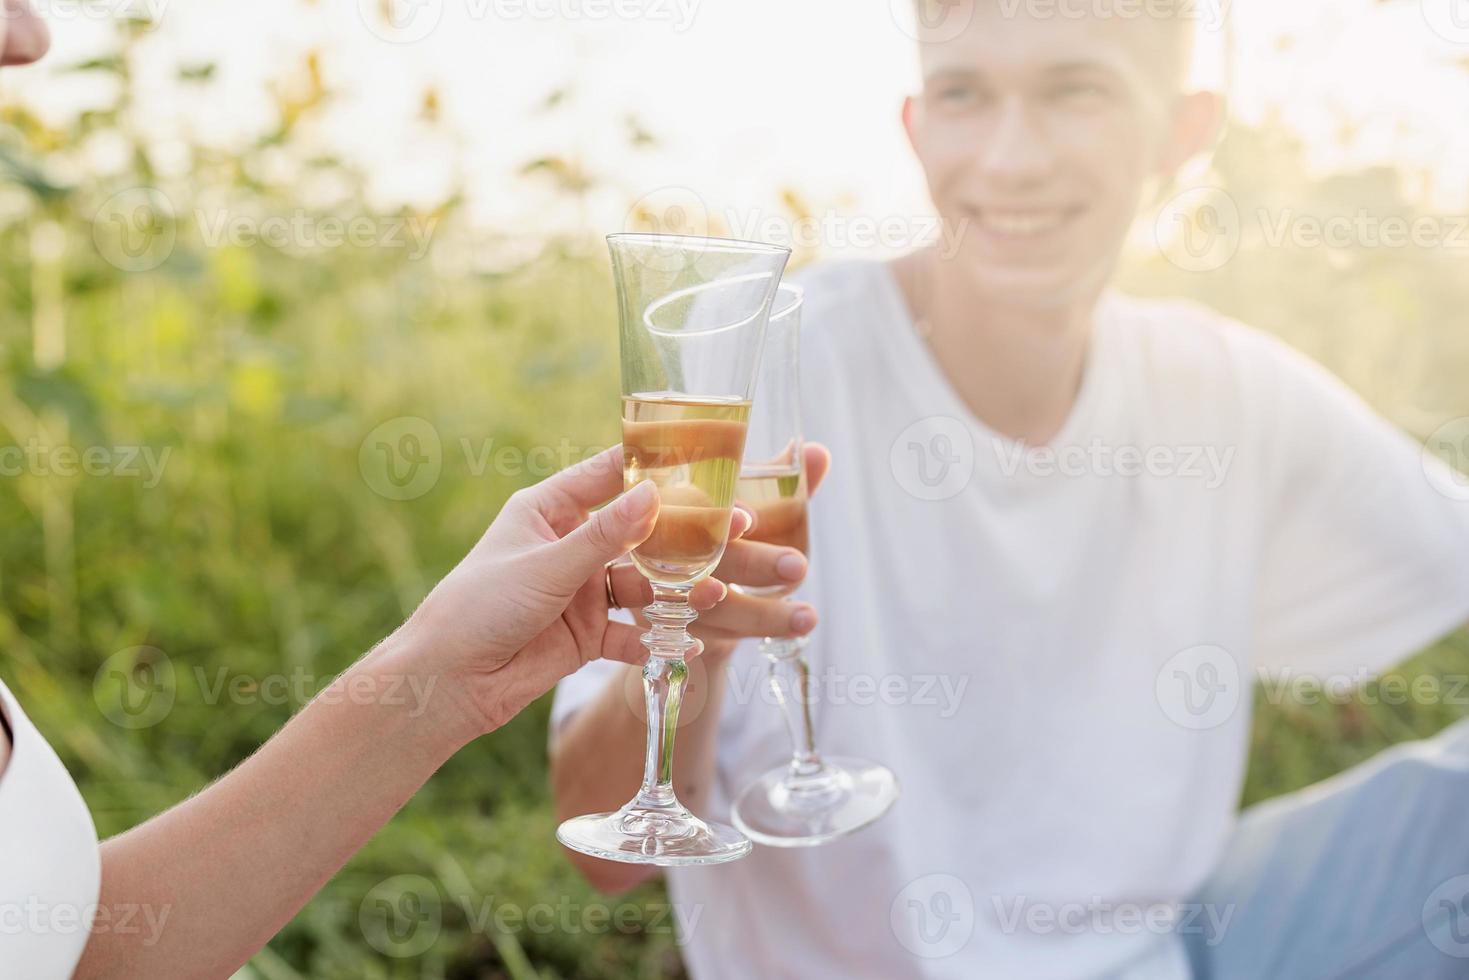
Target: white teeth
[1023,222]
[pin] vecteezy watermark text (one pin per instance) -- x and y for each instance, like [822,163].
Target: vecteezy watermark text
[837,688]
[1202,229]
[1208,464]
[138,228]
[403,916]
[301,229]
[1202,687]
[33,916]
[677,210]
[1104,917]
[411,21]
[139,687]
[62,11]
[1211,14]
[299,686]
[37,458]
[403,458]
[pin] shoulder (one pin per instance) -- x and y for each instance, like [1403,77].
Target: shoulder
[1195,369]
[1182,332]
[1187,347]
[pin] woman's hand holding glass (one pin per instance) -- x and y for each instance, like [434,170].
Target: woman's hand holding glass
[528,605]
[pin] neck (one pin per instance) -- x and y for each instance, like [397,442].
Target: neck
[1018,368]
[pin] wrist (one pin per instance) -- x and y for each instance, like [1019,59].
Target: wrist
[432,702]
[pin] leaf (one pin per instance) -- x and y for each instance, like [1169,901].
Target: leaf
[638,134]
[30,177]
[568,175]
[198,73]
[113,63]
[41,390]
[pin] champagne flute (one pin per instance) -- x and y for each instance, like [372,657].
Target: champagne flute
[693,314]
[812,799]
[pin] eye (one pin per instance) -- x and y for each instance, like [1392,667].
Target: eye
[1078,91]
[956,95]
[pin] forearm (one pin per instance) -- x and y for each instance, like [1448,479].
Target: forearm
[597,757]
[230,867]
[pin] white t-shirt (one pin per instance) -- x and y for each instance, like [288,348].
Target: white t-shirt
[50,866]
[1055,649]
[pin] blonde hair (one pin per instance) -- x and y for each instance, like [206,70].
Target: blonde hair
[1179,17]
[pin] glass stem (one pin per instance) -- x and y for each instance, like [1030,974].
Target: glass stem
[668,641]
[790,682]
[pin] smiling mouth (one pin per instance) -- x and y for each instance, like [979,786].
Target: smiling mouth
[1023,223]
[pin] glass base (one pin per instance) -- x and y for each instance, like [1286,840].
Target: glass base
[781,809]
[668,838]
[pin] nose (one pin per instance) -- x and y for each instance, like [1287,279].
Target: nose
[23,35]
[1016,150]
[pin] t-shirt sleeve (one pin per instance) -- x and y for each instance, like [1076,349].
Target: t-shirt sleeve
[1366,548]
[574,692]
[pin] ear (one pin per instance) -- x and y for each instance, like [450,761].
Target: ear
[1197,120]
[910,121]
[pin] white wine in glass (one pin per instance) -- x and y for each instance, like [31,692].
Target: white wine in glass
[776,494]
[690,448]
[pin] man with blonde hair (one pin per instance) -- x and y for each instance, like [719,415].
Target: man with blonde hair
[1092,519]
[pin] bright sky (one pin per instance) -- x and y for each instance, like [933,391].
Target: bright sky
[746,96]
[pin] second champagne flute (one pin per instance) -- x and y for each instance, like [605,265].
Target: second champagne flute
[812,799]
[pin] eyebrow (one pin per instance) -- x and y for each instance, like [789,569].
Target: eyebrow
[1122,69]
[1084,67]
[1060,68]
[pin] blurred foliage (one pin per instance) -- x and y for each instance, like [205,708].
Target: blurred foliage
[263,369]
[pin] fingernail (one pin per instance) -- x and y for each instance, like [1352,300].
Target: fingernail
[749,518]
[803,620]
[791,566]
[704,605]
[637,501]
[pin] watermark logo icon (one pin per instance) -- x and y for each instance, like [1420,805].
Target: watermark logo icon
[1446,917]
[1446,459]
[933,916]
[1199,688]
[1199,230]
[1449,19]
[136,230]
[932,21]
[402,917]
[401,21]
[933,459]
[402,458]
[135,688]
[670,210]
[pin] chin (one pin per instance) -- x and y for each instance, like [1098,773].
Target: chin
[1046,287]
